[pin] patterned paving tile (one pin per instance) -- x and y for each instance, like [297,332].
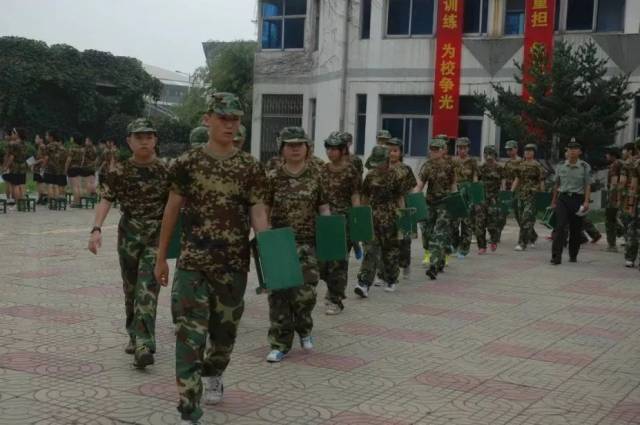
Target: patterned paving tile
[45,314]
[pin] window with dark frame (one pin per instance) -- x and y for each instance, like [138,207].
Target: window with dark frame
[361,123]
[365,20]
[470,123]
[410,17]
[476,14]
[316,25]
[278,111]
[408,118]
[514,17]
[313,105]
[595,15]
[283,23]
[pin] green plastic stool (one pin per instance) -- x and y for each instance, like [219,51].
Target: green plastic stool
[88,202]
[3,205]
[26,204]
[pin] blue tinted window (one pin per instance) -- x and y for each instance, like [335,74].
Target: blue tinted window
[271,8]
[514,23]
[422,17]
[416,105]
[272,34]
[610,15]
[580,15]
[472,16]
[398,21]
[417,146]
[473,130]
[295,7]
[395,127]
[365,25]
[294,33]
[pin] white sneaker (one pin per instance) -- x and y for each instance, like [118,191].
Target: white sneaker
[628,264]
[378,282]
[362,290]
[333,309]
[391,287]
[518,248]
[213,389]
[406,272]
[307,342]
[275,356]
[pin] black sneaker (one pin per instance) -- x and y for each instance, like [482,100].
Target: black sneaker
[142,357]
[131,346]
[432,273]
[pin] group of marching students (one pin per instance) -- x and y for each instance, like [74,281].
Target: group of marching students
[220,194]
[55,167]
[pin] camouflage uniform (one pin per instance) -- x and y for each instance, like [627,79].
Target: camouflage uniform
[339,185]
[90,160]
[199,136]
[488,215]
[19,152]
[408,180]
[142,192]
[466,170]
[56,158]
[530,174]
[107,159]
[207,296]
[294,201]
[439,176]
[613,203]
[274,163]
[75,155]
[382,188]
[510,173]
[629,207]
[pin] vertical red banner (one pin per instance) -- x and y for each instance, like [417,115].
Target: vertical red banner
[446,98]
[538,30]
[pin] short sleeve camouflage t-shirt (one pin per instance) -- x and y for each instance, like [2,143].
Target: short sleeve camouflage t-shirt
[511,170]
[628,171]
[294,201]
[340,185]
[466,169]
[614,170]
[357,163]
[141,190]
[383,188]
[90,157]
[218,192]
[56,158]
[76,154]
[438,175]
[19,153]
[406,176]
[530,174]
[491,174]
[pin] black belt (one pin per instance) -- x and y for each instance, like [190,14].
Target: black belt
[571,194]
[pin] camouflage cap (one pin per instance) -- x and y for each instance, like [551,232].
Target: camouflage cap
[511,144]
[383,134]
[490,151]
[394,141]
[346,136]
[613,150]
[379,156]
[442,137]
[140,125]
[241,134]
[293,135]
[199,136]
[463,141]
[438,143]
[530,147]
[335,140]
[222,103]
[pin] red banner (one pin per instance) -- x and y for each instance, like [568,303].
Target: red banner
[538,30]
[446,98]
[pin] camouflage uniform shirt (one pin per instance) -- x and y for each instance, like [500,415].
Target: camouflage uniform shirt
[439,175]
[56,158]
[491,174]
[530,174]
[141,190]
[76,153]
[466,169]
[294,201]
[357,163]
[511,170]
[383,188]
[218,192]
[19,153]
[406,176]
[90,157]
[339,186]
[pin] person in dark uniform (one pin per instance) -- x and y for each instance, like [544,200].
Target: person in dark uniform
[571,195]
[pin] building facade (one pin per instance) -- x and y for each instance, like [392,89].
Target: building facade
[364,65]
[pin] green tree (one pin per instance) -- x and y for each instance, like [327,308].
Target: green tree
[571,97]
[59,87]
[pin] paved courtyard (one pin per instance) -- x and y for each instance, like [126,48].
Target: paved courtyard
[500,339]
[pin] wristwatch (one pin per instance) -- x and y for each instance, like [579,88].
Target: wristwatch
[96,229]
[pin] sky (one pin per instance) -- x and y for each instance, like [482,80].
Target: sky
[164,33]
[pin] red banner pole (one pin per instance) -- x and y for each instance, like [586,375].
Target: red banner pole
[446,97]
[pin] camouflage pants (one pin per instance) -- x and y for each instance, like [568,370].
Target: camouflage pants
[335,275]
[405,252]
[204,303]
[488,217]
[631,224]
[290,309]
[382,253]
[527,213]
[462,232]
[611,225]
[137,249]
[440,236]
[590,229]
